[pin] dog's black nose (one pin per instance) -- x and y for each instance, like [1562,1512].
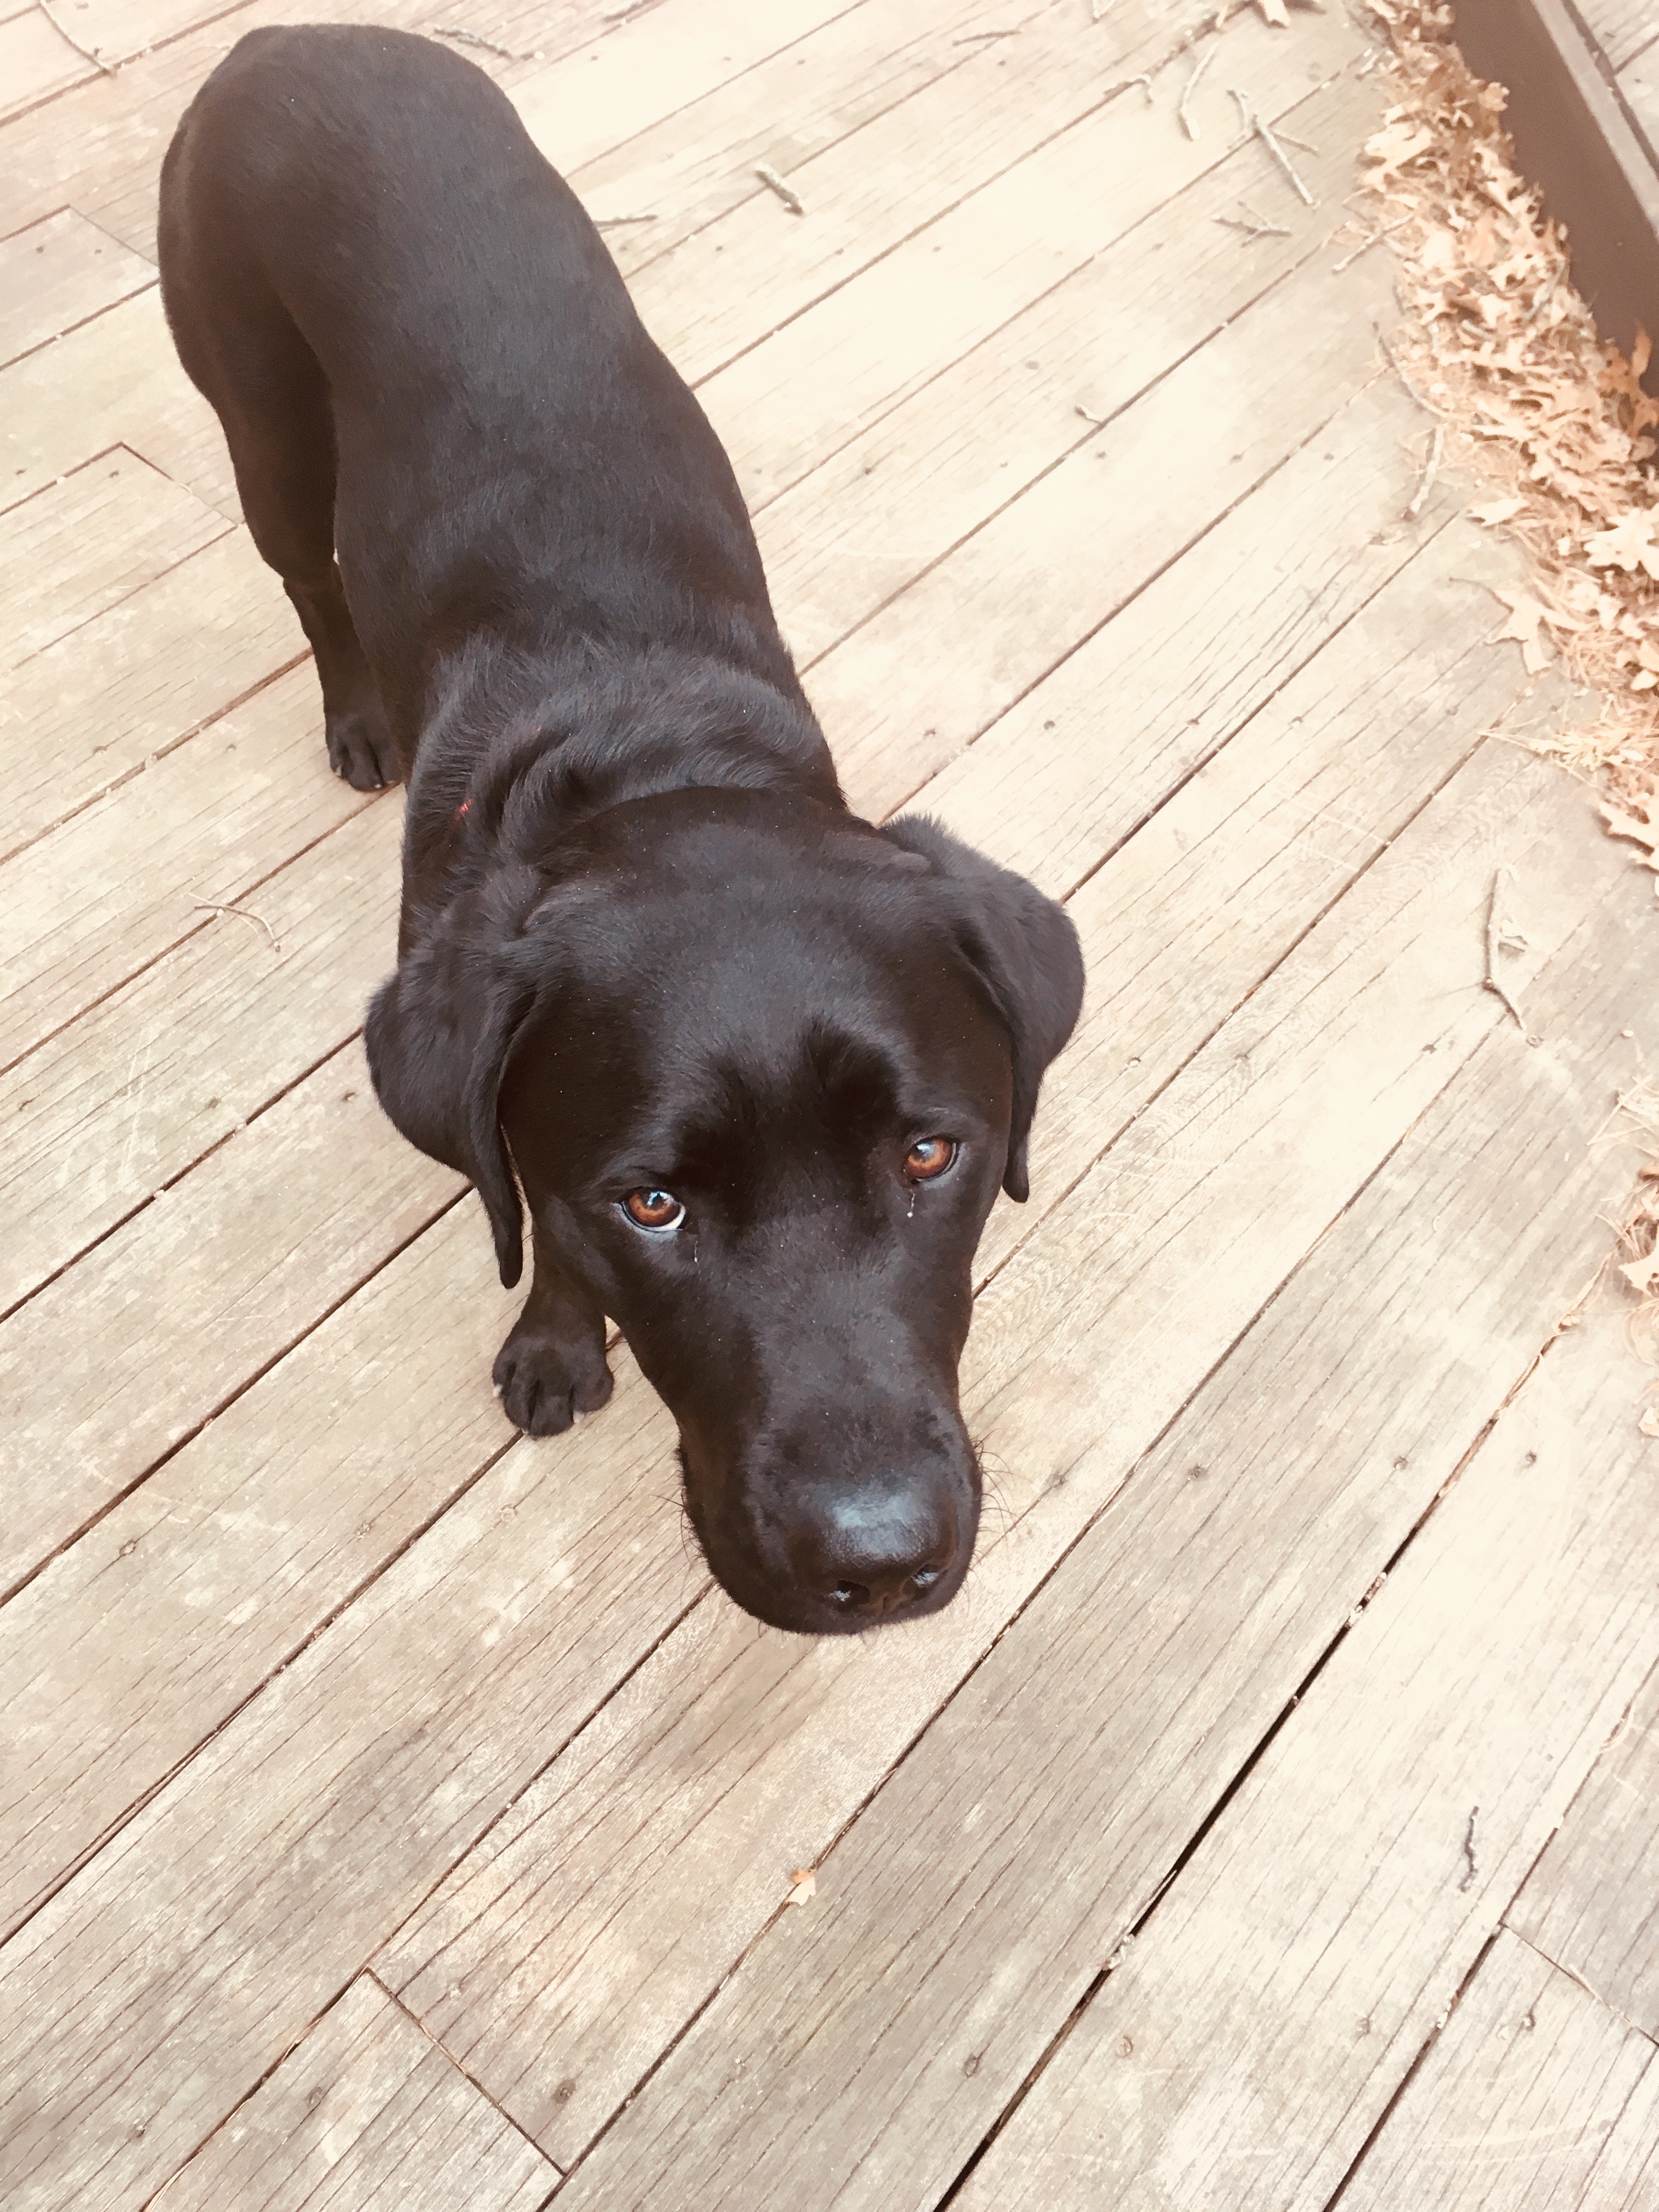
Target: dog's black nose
[869,1557]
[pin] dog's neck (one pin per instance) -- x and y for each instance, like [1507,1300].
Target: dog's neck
[520,751]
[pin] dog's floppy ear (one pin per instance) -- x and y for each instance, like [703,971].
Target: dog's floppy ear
[1026,953]
[438,1033]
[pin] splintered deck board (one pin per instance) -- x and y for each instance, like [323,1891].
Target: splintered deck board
[142,1086]
[134,681]
[116,380]
[222,1564]
[915,685]
[885,508]
[1522,2093]
[77,548]
[540,1989]
[206,1935]
[1326,1922]
[56,274]
[95,900]
[1592,1903]
[366,2112]
[966,255]
[330,1191]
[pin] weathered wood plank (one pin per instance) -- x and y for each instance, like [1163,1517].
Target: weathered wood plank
[125,1100]
[882,509]
[116,380]
[97,899]
[915,685]
[1518,2098]
[560,1996]
[1147,698]
[135,680]
[35,62]
[73,550]
[1328,1921]
[332,1191]
[1592,1903]
[1621,27]
[366,2112]
[56,274]
[698,163]
[921,258]
[133,1646]
[1639,83]
[162,1984]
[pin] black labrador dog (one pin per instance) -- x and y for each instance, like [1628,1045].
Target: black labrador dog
[755,1066]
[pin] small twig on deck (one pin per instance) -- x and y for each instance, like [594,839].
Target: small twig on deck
[1393,358]
[1255,227]
[612,222]
[1366,244]
[1467,1881]
[1285,139]
[243,913]
[1182,114]
[774,182]
[1123,84]
[1097,420]
[1256,128]
[87,53]
[1501,937]
[1431,470]
[974,38]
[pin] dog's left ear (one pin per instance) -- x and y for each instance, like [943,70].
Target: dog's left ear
[438,1033]
[1026,953]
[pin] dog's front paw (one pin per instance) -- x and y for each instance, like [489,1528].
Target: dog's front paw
[545,1381]
[360,748]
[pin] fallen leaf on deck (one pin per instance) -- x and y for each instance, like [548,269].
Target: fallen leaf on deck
[1497,510]
[805,1882]
[1643,1275]
[1525,615]
[1275,12]
[1648,1424]
[1628,545]
[1642,828]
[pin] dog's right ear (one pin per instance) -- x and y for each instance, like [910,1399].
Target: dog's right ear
[438,1033]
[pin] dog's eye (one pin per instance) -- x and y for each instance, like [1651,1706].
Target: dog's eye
[928,1158]
[658,1211]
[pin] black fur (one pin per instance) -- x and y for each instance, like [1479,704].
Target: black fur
[644,946]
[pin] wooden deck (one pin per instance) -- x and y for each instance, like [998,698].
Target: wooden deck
[394,1813]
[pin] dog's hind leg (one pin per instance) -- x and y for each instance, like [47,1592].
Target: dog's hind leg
[243,351]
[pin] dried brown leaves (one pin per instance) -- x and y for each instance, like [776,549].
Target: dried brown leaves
[1503,350]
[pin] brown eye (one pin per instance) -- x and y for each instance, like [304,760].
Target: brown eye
[656,1209]
[928,1158]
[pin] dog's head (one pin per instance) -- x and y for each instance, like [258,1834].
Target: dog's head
[760,1070]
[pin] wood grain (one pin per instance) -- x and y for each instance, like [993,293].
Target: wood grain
[915,685]
[1592,1902]
[114,381]
[906,261]
[89,541]
[1517,2101]
[95,900]
[219,1568]
[121,1104]
[744,1757]
[367,2111]
[134,681]
[87,1408]
[1330,1917]
[56,274]
[885,507]
[1621,27]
